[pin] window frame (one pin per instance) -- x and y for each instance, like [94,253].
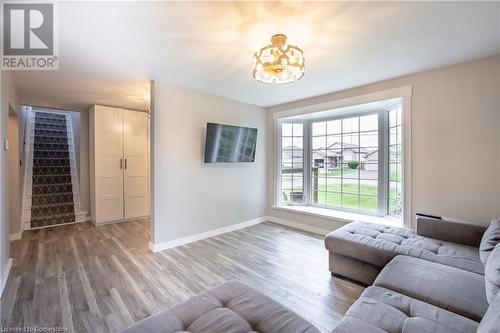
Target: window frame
[383,151]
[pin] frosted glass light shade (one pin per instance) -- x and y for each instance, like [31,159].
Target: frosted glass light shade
[279,62]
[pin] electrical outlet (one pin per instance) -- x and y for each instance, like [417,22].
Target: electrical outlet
[5,144]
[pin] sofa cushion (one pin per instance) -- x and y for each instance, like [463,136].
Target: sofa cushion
[491,238]
[378,244]
[492,274]
[232,307]
[382,310]
[450,288]
[491,320]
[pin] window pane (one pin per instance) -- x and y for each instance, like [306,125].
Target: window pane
[350,171]
[369,170]
[319,128]
[298,130]
[368,123]
[350,186]
[392,118]
[318,183]
[334,127]
[368,203]
[318,159]
[292,163]
[368,187]
[298,143]
[319,197]
[350,125]
[395,153]
[298,163]
[286,130]
[319,142]
[334,141]
[286,142]
[350,140]
[345,161]
[286,182]
[395,172]
[351,155]
[368,139]
[334,199]
[395,200]
[350,201]
[333,184]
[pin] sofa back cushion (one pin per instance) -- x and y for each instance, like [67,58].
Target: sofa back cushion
[490,239]
[491,320]
[492,274]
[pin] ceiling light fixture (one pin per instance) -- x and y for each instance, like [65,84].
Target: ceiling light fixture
[279,62]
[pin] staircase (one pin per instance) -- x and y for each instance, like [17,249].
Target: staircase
[51,192]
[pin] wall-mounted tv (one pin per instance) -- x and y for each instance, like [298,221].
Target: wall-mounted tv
[230,144]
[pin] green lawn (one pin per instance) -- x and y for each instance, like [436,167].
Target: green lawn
[331,195]
[366,201]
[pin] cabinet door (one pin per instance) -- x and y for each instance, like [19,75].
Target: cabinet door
[135,152]
[108,163]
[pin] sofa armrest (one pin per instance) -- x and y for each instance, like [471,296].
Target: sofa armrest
[461,232]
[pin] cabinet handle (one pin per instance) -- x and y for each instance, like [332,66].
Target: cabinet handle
[125,164]
[121,163]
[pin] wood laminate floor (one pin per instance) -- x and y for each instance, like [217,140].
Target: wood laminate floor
[102,279]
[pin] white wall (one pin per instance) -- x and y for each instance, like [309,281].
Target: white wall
[192,197]
[455,141]
[8,97]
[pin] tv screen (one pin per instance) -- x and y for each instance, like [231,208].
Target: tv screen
[230,144]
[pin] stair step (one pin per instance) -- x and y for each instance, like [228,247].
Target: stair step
[55,128]
[50,140]
[51,162]
[50,133]
[42,121]
[52,199]
[51,188]
[38,146]
[52,210]
[52,170]
[51,179]
[49,115]
[50,154]
[52,220]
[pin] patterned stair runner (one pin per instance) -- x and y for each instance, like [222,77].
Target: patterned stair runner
[52,195]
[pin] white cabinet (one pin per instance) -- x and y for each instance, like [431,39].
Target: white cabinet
[119,163]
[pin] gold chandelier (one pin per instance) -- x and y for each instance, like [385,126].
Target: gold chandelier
[279,62]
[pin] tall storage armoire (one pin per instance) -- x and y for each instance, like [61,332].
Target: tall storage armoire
[119,164]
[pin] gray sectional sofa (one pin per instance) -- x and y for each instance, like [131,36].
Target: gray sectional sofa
[444,277]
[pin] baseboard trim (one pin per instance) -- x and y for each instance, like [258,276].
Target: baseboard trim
[189,239]
[16,236]
[5,276]
[300,226]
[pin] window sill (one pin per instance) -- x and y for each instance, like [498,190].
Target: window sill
[339,215]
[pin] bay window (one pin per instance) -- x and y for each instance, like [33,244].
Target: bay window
[349,160]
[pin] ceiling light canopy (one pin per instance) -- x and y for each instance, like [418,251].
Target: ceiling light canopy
[279,62]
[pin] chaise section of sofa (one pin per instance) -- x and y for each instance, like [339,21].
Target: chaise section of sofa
[456,290]
[360,250]
[380,310]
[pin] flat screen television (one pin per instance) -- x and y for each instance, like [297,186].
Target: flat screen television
[230,144]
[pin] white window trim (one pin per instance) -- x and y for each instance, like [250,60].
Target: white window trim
[404,93]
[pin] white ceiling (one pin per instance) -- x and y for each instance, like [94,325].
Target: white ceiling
[109,51]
